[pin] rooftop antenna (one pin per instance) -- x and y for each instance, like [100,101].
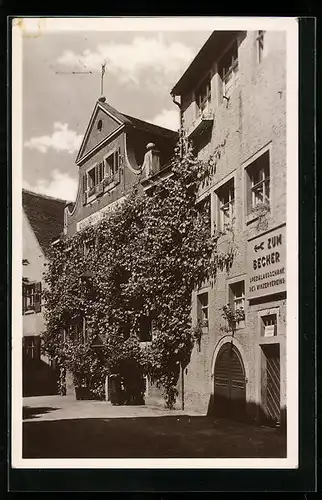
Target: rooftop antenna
[102,77]
[88,72]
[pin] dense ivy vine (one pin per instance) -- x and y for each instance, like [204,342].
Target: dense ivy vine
[142,261]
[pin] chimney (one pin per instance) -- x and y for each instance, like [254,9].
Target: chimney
[151,162]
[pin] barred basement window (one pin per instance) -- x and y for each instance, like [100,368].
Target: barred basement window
[269,325]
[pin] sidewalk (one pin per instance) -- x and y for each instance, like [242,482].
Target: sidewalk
[66,407]
[60,427]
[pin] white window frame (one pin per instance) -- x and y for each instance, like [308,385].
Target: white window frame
[262,186]
[203,309]
[229,206]
[249,216]
[207,194]
[215,199]
[233,71]
[88,170]
[204,105]
[238,300]
[107,167]
[29,299]
[230,283]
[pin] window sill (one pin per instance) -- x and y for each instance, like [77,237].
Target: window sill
[91,198]
[270,340]
[145,343]
[251,218]
[111,186]
[26,313]
[229,95]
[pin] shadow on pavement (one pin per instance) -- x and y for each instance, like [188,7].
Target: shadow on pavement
[146,437]
[34,411]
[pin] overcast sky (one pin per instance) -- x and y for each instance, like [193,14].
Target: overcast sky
[141,69]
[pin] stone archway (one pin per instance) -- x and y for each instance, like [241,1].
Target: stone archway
[229,383]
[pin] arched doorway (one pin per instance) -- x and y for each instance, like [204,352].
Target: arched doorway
[230,383]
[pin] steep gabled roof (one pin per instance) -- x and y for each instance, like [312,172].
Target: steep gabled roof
[140,124]
[206,56]
[123,120]
[45,215]
[151,128]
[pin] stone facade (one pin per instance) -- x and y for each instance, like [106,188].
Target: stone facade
[250,123]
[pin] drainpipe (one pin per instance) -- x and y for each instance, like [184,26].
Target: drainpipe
[181,154]
[181,122]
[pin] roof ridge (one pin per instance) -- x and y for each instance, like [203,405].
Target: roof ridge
[150,123]
[46,196]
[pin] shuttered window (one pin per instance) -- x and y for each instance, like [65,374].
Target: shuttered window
[31,297]
[84,189]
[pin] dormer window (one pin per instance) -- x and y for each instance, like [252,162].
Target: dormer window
[112,164]
[101,177]
[203,95]
[228,69]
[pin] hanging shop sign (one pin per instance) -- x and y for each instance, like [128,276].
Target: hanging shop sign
[266,258]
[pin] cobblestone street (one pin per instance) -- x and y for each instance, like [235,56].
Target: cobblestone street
[60,427]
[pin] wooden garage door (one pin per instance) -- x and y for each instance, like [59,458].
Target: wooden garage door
[230,384]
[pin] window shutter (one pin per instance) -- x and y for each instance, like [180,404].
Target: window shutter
[231,296]
[96,174]
[84,189]
[199,310]
[117,160]
[38,297]
[248,192]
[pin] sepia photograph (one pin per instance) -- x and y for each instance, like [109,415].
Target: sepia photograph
[155,213]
